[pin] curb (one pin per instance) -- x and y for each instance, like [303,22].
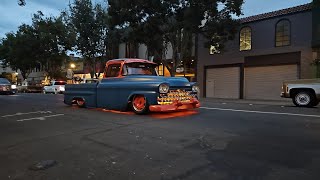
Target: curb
[245,101]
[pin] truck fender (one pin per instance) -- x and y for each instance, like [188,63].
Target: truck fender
[150,95]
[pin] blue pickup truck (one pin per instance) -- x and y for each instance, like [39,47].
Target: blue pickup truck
[134,84]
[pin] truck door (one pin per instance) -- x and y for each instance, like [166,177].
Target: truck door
[107,90]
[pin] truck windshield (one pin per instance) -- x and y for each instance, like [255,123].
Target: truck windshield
[139,69]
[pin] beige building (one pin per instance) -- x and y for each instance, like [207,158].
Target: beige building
[10,74]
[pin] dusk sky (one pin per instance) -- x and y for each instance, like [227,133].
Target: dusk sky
[13,15]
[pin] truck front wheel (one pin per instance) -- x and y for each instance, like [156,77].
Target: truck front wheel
[304,99]
[140,104]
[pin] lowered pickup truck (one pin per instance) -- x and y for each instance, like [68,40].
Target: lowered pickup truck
[134,84]
[304,92]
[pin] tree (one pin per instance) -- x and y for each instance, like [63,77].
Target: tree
[42,44]
[175,22]
[17,50]
[140,22]
[52,42]
[88,22]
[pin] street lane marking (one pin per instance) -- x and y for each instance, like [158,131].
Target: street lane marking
[261,112]
[19,114]
[40,118]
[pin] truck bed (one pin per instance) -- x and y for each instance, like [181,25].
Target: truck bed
[87,91]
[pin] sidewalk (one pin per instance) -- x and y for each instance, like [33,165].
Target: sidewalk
[283,102]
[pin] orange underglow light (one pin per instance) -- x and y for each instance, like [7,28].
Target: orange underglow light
[176,114]
[156,115]
[117,112]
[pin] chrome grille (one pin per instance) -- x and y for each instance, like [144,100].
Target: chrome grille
[175,95]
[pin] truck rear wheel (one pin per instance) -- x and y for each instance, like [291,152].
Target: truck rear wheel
[304,99]
[80,103]
[140,104]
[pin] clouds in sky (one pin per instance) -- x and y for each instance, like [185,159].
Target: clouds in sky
[12,15]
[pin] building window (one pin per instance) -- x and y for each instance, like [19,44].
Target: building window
[245,39]
[283,33]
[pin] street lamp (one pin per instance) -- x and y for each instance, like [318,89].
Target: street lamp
[72,66]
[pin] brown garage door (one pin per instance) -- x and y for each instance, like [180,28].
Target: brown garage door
[265,82]
[223,82]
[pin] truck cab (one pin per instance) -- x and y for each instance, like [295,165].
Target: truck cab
[135,84]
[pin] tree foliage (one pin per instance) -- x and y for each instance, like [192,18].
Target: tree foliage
[94,30]
[53,41]
[175,22]
[42,44]
[89,24]
[21,2]
[16,50]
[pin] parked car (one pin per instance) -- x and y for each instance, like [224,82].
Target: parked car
[303,92]
[6,87]
[134,84]
[55,87]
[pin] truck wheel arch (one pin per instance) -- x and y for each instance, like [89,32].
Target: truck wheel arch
[295,91]
[143,93]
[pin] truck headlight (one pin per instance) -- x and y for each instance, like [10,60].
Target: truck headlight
[13,86]
[195,89]
[163,88]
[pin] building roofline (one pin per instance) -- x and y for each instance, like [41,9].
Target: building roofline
[274,14]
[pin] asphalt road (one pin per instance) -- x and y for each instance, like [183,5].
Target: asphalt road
[222,141]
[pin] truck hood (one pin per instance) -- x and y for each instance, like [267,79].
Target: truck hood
[172,81]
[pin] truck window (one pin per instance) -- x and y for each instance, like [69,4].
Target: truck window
[139,69]
[113,70]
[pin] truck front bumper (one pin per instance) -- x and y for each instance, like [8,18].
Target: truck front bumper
[175,106]
[284,95]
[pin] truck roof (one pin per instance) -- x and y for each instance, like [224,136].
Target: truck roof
[130,60]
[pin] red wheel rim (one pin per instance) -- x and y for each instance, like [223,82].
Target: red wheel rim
[80,102]
[139,103]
